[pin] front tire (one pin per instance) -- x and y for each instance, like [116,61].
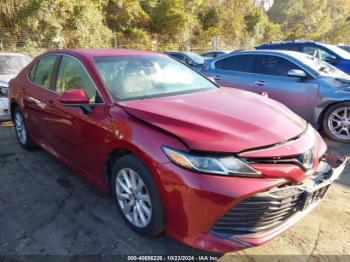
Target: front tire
[22,132]
[137,196]
[336,122]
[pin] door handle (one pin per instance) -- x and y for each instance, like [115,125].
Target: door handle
[260,83]
[217,78]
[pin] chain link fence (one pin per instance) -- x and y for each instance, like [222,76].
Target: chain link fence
[34,44]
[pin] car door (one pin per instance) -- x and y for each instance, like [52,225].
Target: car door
[77,135]
[299,94]
[36,98]
[235,71]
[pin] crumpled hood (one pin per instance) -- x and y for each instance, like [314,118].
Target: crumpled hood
[220,120]
[5,79]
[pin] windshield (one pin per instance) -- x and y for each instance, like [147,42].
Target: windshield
[198,59]
[340,52]
[12,64]
[142,76]
[323,68]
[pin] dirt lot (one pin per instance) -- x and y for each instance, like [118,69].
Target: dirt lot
[47,209]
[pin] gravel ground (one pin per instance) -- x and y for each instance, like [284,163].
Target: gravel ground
[46,209]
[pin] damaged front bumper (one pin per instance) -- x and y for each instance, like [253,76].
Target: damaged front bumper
[261,217]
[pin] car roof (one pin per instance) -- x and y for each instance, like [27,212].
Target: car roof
[102,52]
[286,53]
[218,51]
[266,51]
[295,42]
[180,52]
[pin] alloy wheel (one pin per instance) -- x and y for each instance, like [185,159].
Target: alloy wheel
[339,123]
[133,198]
[20,128]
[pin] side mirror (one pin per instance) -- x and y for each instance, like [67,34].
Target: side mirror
[297,73]
[76,98]
[331,59]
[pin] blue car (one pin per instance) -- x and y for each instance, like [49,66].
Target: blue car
[332,54]
[312,88]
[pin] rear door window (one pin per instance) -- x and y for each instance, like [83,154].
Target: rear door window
[41,73]
[239,63]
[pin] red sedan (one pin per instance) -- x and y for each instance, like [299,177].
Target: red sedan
[217,168]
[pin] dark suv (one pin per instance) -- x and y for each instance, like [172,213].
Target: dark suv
[329,53]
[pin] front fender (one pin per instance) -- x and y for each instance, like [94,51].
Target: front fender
[330,93]
[141,139]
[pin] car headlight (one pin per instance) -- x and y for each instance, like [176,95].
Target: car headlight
[3,91]
[220,165]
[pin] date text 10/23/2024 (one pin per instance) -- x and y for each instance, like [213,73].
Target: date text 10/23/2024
[172,258]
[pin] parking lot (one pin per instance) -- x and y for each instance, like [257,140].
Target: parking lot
[47,209]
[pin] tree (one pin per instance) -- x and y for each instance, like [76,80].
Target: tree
[78,23]
[171,21]
[310,19]
[125,15]
[174,24]
[238,23]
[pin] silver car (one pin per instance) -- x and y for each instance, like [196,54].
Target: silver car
[10,65]
[314,89]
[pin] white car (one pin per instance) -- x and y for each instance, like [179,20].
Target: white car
[10,65]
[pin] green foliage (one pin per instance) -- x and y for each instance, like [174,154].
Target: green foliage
[272,32]
[310,19]
[170,18]
[168,24]
[209,18]
[74,23]
[136,38]
[125,15]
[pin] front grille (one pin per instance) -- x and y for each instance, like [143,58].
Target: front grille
[304,161]
[266,210]
[259,213]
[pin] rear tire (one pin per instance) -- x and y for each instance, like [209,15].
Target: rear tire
[137,196]
[22,132]
[336,122]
